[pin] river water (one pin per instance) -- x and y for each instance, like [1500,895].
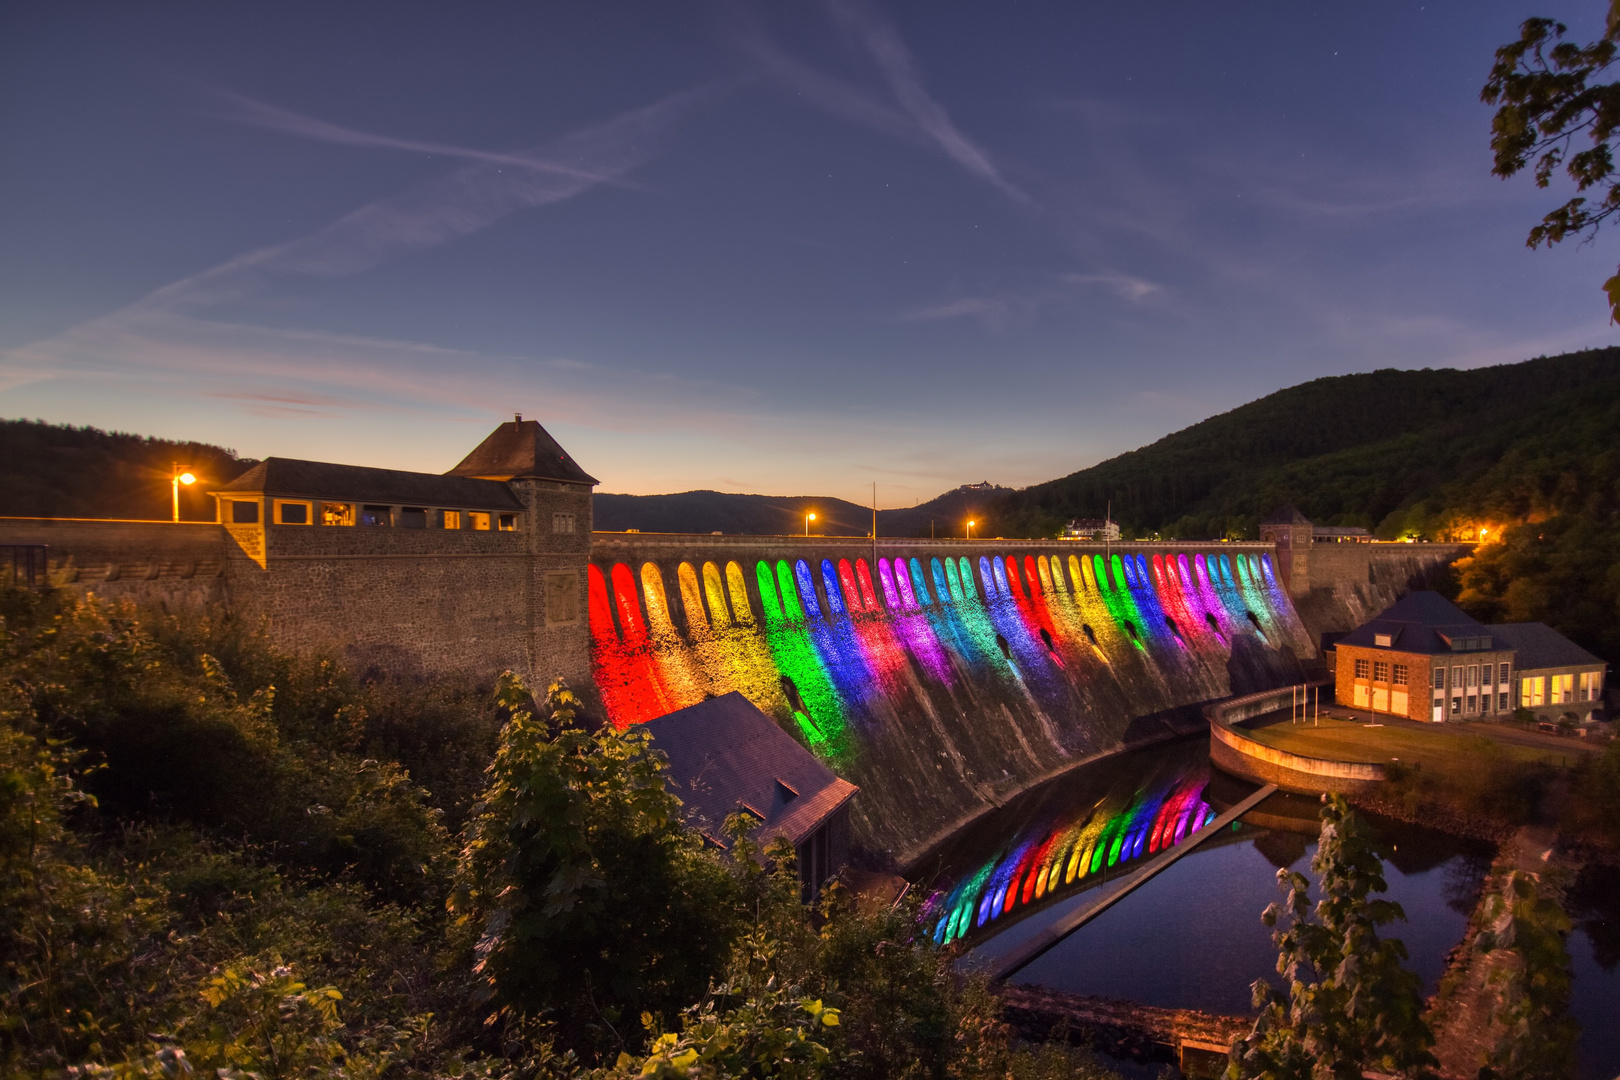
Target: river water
[1192,937]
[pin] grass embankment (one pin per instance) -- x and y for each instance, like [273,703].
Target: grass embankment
[1485,780]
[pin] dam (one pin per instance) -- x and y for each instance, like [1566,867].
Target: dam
[939,676]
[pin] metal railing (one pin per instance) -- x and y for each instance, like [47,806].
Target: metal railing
[24,566]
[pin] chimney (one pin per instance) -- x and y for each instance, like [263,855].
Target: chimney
[517,418]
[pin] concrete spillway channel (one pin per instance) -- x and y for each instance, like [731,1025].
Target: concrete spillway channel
[1068,924]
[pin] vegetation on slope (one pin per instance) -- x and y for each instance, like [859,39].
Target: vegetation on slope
[218,859]
[56,470]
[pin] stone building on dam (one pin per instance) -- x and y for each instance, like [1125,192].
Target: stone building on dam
[939,676]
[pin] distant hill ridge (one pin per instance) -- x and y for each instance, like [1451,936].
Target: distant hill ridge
[781,515]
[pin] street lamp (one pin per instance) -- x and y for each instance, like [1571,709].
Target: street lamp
[970,529]
[808,518]
[182,475]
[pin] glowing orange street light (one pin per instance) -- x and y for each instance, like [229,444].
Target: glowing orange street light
[970,529]
[808,518]
[182,475]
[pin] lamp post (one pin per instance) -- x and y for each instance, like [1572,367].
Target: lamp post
[808,518]
[970,529]
[182,475]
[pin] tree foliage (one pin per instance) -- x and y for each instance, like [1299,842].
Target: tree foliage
[1552,117]
[590,901]
[1349,1004]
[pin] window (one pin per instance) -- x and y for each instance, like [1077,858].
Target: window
[337,513]
[413,517]
[1502,702]
[376,515]
[292,513]
[1456,705]
[1562,690]
[1380,671]
[1363,669]
[1473,675]
[450,519]
[1504,674]
[562,523]
[244,512]
[1401,676]
[1456,677]
[479,520]
[1532,692]
[1473,703]
[1383,641]
[1591,685]
[506,522]
[1439,678]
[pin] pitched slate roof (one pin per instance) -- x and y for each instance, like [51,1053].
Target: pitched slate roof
[522,448]
[292,478]
[724,754]
[1422,622]
[1538,645]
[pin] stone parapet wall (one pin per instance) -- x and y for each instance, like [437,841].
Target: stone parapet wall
[1236,753]
[174,564]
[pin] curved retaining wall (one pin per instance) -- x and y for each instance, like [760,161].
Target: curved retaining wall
[1240,755]
[942,677]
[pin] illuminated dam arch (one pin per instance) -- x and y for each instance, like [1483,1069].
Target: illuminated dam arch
[936,675]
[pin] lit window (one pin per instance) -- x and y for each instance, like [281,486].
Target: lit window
[376,515]
[1383,641]
[1563,689]
[292,513]
[1400,675]
[244,512]
[562,523]
[507,522]
[1380,671]
[1532,692]
[337,513]
[480,520]
[450,519]
[1363,669]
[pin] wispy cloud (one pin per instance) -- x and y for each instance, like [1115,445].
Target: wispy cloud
[919,118]
[882,40]
[1001,309]
[245,110]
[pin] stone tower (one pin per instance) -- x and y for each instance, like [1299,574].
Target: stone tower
[1292,532]
[556,494]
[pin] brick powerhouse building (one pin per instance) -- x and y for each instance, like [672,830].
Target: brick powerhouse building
[1425,659]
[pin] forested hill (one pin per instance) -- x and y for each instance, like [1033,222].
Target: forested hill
[51,470]
[1393,451]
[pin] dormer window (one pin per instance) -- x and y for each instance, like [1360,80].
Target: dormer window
[1383,641]
[784,792]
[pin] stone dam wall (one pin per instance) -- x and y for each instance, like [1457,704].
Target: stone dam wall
[940,676]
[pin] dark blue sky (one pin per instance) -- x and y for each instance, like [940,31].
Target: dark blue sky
[776,248]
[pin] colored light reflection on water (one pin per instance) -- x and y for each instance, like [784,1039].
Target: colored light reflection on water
[1073,845]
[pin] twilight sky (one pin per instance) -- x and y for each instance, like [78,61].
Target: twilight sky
[780,248]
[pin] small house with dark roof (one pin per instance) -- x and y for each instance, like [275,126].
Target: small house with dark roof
[727,757]
[1424,658]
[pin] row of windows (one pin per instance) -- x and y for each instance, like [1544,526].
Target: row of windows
[1473,676]
[1470,704]
[1383,671]
[297,512]
[1559,689]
